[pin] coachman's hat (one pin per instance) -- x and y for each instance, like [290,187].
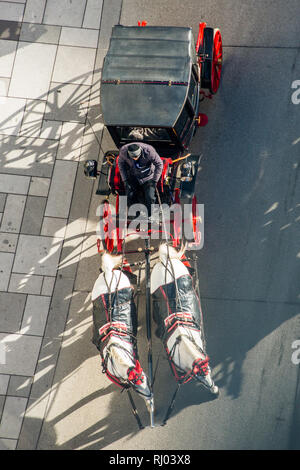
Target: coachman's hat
[134,151]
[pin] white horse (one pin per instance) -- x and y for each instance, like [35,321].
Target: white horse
[115,328]
[177,312]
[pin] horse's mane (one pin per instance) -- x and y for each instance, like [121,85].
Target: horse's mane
[169,252]
[109,262]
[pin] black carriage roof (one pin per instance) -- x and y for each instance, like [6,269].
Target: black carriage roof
[145,75]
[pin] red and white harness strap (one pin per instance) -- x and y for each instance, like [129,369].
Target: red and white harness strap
[199,366]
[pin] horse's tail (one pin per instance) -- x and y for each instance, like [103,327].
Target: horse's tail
[169,252]
[109,262]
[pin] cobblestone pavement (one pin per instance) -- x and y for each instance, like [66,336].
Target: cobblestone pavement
[50,60]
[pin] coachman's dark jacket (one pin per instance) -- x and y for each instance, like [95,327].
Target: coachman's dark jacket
[147,168]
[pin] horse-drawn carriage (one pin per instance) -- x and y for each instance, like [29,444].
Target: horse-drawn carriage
[153,81]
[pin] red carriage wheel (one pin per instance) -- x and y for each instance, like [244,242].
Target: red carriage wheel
[216,61]
[212,66]
[119,231]
[176,226]
[191,220]
[108,227]
[196,220]
[199,43]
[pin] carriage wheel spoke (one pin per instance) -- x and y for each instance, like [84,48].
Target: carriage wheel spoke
[216,62]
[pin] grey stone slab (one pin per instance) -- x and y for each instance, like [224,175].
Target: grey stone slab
[14,184]
[10,30]
[33,215]
[11,308]
[51,130]
[33,118]
[35,315]
[78,330]
[70,257]
[21,354]
[37,255]
[45,367]
[33,32]
[8,51]
[2,401]
[6,261]
[74,65]
[93,214]
[82,195]
[4,85]
[59,307]
[70,141]
[96,80]
[64,12]
[11,115]
[2,200]
[54,227]
[2,205]
[11,11]
[8,444]
[13,214]
[32,424]
[72,247]
[110,17]
[79,37]
[101,53]
[12,417]
[88,265]
[92,16]
[8,242]
[39,186]
[71,376]
[48,286]
[25,283]
[95,94]
[67,102]
[4,380]
[61,189]
[29,57]
[106,142]
[19,386]
[27,156]
[34,11]
[90,148]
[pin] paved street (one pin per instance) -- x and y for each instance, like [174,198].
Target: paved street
[52,392]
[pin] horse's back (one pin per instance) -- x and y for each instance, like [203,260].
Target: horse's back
[103,285]
[116,307]
[175,297]
[164,274]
